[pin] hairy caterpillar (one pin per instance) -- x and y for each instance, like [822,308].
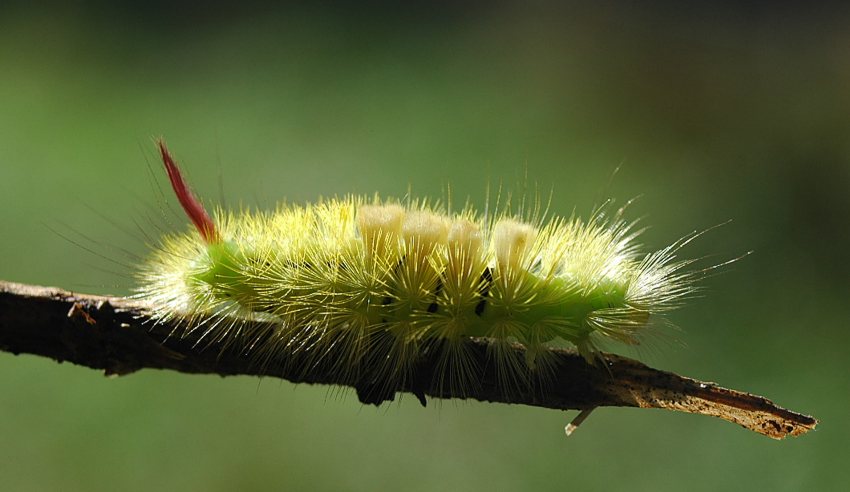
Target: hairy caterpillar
[376,283]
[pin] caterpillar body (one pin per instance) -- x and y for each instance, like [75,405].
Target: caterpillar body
[376,283]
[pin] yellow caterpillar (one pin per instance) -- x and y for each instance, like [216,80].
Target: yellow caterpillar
[377,283]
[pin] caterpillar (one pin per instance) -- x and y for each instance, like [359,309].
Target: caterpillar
[376,283]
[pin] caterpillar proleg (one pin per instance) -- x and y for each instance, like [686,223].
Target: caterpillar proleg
[375,283]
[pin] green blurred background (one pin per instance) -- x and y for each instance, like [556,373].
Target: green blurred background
[728,112]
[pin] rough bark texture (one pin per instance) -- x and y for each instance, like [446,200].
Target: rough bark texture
[116,335]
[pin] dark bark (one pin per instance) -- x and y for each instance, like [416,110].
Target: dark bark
[116,335]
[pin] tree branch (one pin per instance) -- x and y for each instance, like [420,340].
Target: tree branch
[118,336]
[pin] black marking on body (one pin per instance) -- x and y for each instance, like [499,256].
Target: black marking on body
[399,264]
[484,290]
[386,301]
[432,308]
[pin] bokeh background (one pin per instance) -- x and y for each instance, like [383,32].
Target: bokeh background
[712,113]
